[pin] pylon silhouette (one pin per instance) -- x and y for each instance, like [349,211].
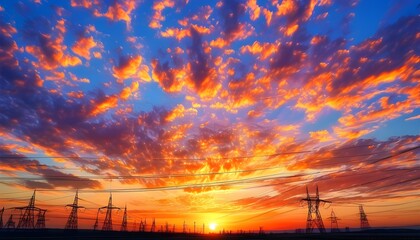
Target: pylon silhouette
[40,222]
[27,219]
[184,229]
[10,224]
[334,222]
[95,226]
[108,218]
[364,223]
[314,218]
[153,227]
[1,218]
[72,220]
[124,221]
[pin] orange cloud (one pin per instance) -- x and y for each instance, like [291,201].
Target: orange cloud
[119,11]
[109,102]
[158,7]
[127,92]
[268,16]
[179,112]
[83,45]
[131,67]
[265,49]
[254,9]
[321,135]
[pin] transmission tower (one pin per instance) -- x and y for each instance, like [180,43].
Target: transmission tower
[314,218]
[95,226]
[40,222]
[334,222]
[184,227]
[108,218]
[124,221]
[153,227]
[72,221]
[141,227]
[10,224]
[28,217]
[364,223]
[1,218]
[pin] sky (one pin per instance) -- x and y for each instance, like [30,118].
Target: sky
[214,112]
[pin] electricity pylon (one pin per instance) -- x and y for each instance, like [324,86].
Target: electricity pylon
[334,222]
[72,220]
[40,222]
[314,218]
[27,220]
[184,228]
[108,218]
[364,223]
[1,218]
[10,224]
[124,221]
[153,227]
[95,226]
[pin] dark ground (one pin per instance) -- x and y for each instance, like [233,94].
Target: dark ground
[386,234]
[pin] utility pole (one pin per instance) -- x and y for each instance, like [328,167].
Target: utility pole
[314,218]
[108,217]
[364,223]
[72,222]
[124,221]
[334,222]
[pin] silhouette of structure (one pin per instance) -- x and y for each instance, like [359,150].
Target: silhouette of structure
[364,223]
[1,218]
[27,219]
[108,218]
[184,228]
[40,222]
[314,218]
[334,222]
[10,224]
[124,221]
[72,220]
[153,227]
[95,226]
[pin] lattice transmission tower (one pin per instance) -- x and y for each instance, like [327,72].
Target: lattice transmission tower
[314,218]
[334,222]
[10,224]
[124,221]
[1,218]
[27,219]
[40,222]
[72,221]
[108,217]
[153,227]
[364,223]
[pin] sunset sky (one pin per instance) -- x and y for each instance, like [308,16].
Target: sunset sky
[218,112]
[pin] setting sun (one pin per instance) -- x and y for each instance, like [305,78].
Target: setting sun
[212,226]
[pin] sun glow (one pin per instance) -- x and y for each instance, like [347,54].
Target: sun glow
[212,226]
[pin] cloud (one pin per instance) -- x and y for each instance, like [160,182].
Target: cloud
[49,177]
[83,46]
[50,51]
